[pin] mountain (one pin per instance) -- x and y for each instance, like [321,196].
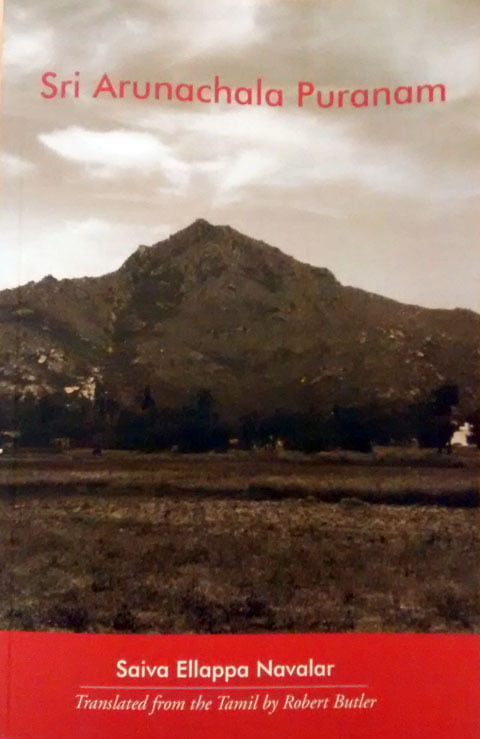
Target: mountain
[212,308]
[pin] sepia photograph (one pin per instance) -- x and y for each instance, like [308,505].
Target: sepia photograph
[240,317]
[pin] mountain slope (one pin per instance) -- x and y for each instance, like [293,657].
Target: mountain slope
[210,307]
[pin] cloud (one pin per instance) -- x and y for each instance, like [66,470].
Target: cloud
[28,50]
[232,151]
[424,153]
[195,27]
[15,166]
[106,154]
[29,41]
[108,35]
[398,42]
[345,43]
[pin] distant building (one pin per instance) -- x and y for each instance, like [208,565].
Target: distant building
[462,435]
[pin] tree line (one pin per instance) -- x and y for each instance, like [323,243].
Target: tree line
[196,426]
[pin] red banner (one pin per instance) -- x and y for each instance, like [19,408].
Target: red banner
[57,685]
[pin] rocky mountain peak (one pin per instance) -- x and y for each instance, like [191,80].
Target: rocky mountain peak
[210,307]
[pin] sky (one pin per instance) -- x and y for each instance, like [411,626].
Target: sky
[386,197]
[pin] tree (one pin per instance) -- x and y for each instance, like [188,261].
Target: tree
[435,427]
[200,428]
[352,433]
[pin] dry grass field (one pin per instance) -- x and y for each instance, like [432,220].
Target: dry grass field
[240,542]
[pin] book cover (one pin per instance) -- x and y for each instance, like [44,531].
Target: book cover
[239,399]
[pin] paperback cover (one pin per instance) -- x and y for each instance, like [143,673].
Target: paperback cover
[239,400]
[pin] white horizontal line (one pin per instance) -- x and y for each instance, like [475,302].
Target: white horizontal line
[211,687]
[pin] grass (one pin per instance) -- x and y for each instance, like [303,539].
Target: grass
[242,543]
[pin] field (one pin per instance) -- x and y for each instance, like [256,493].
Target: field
[242,542]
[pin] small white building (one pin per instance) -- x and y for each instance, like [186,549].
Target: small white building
[462,434]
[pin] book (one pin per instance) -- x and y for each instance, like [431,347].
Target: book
[239,400]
